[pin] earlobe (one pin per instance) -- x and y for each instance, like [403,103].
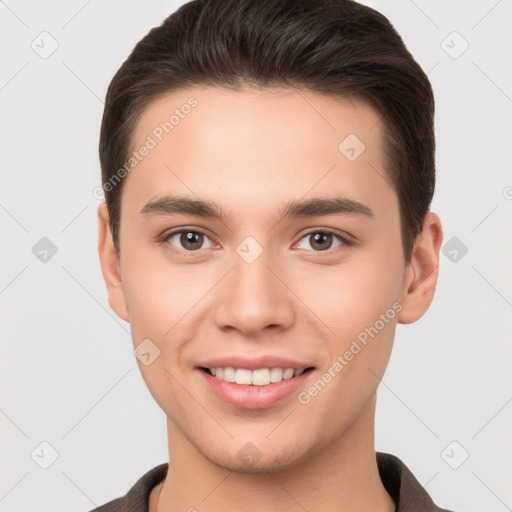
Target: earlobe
[110,264]
[422,273]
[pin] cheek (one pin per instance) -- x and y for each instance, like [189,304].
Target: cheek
[160,305]
[351,295]
[157,293]
[362,317]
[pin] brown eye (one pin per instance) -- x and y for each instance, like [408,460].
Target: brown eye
[322,240]
[186,240]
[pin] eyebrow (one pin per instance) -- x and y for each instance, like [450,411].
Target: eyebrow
[172,205]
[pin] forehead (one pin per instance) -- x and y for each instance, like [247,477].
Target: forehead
[259,142]
[254,110]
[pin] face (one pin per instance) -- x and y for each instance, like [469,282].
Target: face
[302,267]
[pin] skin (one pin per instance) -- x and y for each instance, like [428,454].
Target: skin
[250,152]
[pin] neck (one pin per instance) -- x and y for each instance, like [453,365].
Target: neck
[342,476]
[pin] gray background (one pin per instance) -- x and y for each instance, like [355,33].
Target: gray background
[67,370]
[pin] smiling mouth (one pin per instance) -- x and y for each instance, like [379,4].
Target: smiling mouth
[260,377]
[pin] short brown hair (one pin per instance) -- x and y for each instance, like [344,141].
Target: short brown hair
[335,47]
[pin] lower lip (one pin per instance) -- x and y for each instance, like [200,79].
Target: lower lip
[250,396]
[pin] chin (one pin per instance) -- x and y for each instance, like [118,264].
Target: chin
[249,459]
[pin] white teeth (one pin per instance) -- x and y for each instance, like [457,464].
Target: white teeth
[288,373]
[260,377]
[243,376]
[229,374]
[276,375]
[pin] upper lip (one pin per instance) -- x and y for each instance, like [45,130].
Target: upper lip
[255,363]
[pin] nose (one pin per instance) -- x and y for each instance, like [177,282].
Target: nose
[254,297]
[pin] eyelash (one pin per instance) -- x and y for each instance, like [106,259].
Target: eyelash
[164,239]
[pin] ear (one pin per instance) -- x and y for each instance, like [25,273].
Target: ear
[422,271]
[110,264]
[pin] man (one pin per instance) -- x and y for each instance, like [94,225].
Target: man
[268,169]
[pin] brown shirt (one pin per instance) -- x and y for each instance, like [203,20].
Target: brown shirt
[398,480]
